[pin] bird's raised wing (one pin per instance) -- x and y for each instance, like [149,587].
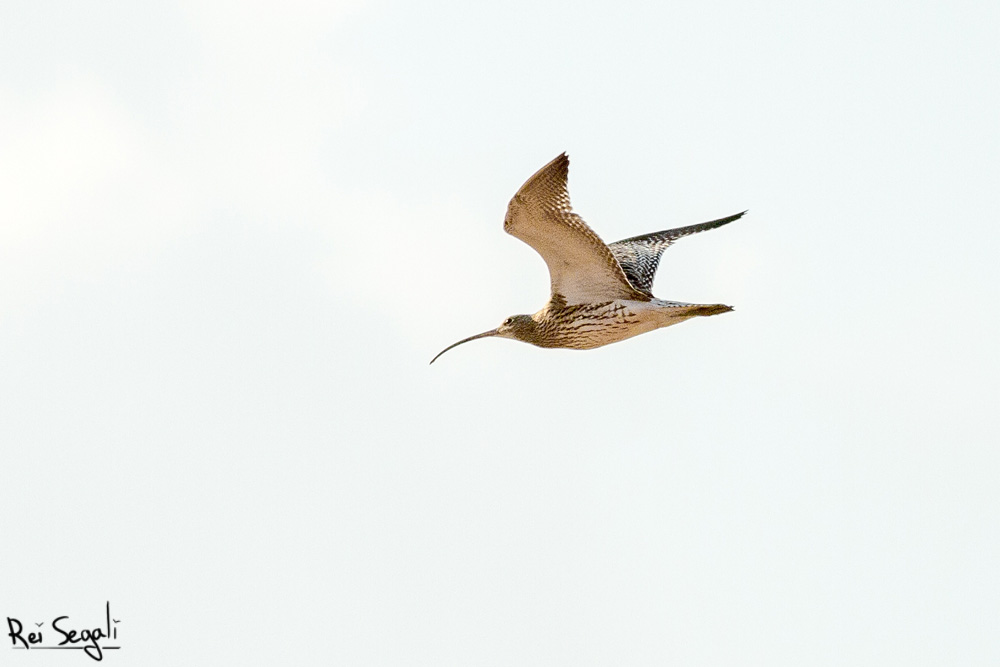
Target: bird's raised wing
[639,256]
[582,268]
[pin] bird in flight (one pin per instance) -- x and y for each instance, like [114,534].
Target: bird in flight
[601,293]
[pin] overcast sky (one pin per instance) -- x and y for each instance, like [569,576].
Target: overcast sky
[233,234]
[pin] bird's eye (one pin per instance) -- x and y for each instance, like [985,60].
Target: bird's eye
[507,322]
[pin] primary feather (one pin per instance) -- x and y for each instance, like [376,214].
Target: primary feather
[639,256]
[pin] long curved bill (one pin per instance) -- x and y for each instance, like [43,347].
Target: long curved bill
[491,332]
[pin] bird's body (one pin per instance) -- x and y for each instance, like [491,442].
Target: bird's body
[589,325]
[601,293]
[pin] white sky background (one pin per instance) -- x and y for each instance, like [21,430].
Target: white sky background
[232,236]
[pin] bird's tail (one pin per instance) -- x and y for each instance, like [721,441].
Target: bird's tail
[676,309]
[700,310]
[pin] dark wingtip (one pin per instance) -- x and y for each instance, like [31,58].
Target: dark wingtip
[712,224]
[563,161]
[726,220]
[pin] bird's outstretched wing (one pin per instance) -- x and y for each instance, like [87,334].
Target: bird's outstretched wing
[581,266]
[639,256]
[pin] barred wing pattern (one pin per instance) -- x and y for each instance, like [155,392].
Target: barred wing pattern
[639,256]
[581,266]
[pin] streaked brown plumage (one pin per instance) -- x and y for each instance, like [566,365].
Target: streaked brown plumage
[601,293]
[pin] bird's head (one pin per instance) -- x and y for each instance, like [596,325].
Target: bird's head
[516,327]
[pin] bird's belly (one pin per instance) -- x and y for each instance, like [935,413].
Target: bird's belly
[613,322]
